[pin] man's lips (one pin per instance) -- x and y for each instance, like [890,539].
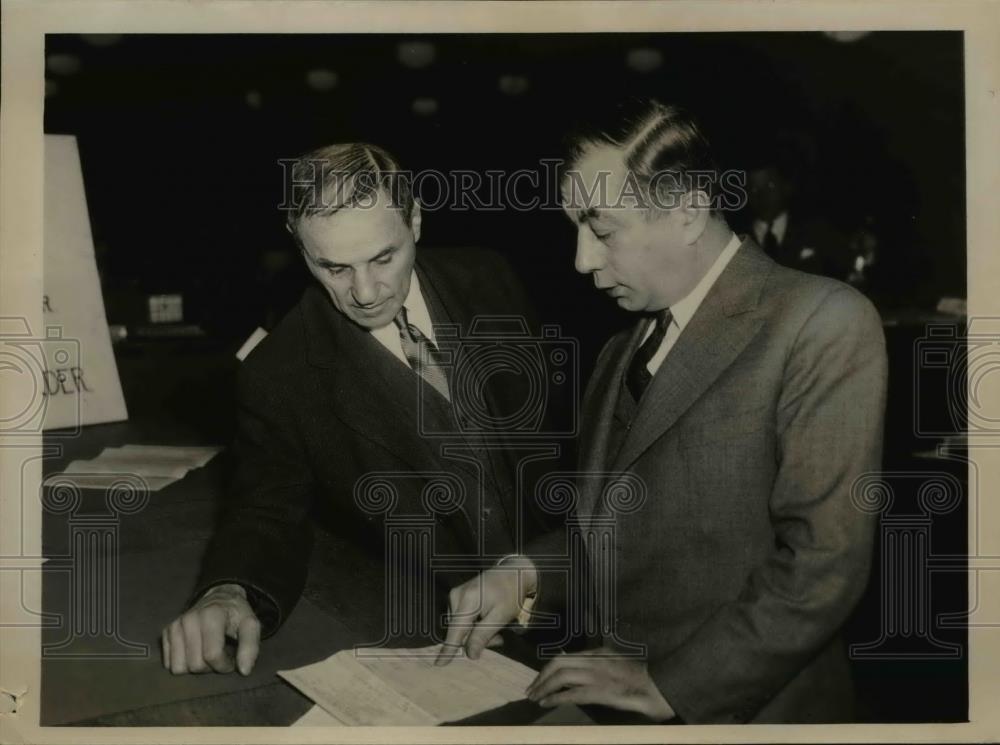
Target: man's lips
[371,308]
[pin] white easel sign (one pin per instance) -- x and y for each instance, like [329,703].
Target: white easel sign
[79,379]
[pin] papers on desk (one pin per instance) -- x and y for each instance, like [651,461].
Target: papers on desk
[156,465]
[387,687]
[317,717]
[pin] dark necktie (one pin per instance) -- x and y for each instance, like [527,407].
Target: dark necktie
[423,356]
[771,245]
[638,376]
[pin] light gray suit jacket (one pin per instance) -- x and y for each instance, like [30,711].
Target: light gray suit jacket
[749,552]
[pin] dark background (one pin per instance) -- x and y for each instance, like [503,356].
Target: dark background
[183,178]
[180,137]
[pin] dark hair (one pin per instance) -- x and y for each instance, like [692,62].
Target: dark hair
[333,177]
[662,146]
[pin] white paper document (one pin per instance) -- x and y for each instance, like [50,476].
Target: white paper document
[317,717]
[386,687]
[156,465]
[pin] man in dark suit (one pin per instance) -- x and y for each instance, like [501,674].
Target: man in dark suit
[747,399]
[785,231]
[346,408]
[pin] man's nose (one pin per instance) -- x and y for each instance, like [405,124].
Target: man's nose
[589,252]
[364,289]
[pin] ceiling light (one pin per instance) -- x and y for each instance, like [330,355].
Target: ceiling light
[513,85]
[425,106]
[644,59]
[63,64]
[101,40]
[846,37]
[322,79]
[415,54]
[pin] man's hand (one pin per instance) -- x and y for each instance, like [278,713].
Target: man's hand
[600,676]
[196,642]
[493,598]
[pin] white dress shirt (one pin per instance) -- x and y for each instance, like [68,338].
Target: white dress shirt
[778,226]
[683,310]
[416,315]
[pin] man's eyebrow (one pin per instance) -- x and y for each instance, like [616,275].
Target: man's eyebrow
[327,264]
[578,216]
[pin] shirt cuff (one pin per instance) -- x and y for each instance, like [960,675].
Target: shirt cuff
[529,601]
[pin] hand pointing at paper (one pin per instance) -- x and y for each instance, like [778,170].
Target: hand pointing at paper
[196,641]
[480,608]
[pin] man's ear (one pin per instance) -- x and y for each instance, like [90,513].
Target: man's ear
[296,240]
[695,208]
[415,218]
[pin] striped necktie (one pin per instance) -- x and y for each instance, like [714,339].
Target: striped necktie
[423,356]
[638,376]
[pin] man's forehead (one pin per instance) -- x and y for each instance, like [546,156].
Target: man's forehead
[594,181]
[350,234]
[369,214]
[601,157]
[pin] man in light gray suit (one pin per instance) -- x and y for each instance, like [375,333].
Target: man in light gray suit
[748,398]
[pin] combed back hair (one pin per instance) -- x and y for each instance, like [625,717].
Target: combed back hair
[351,174]
[663,147]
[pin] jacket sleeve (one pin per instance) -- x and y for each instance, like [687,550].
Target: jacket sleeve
[264,537]
[562,586]
[829,429]
[545,531]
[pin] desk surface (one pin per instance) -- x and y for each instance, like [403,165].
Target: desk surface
[101,664]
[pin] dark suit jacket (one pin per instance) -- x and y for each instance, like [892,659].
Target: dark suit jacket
[321,406]
[749,553]
[813,245]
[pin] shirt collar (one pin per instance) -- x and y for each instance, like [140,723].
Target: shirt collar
[417,314]
[683,310]
[778,226]
[416,308]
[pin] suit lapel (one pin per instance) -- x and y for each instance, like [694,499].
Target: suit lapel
[459,311]
[599,413]
[367,381]
[720,329]
[462,312]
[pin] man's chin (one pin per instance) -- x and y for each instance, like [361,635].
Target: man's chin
[369,323]
[625,303]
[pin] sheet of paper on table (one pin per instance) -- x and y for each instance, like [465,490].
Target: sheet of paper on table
[317,717]
[156,465]
[386,687]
